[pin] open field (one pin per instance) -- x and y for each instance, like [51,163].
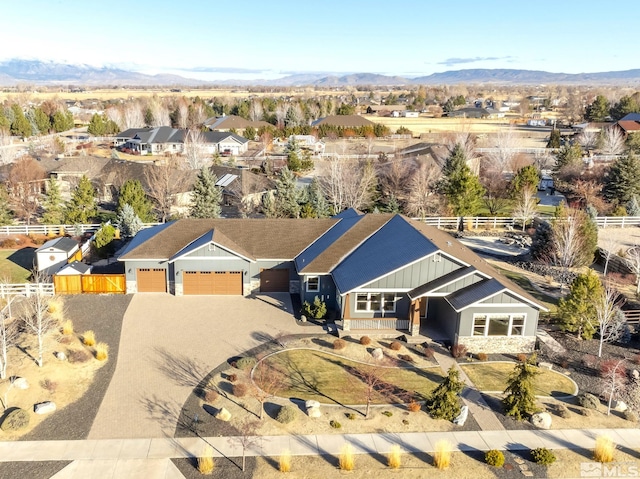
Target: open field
[435,125]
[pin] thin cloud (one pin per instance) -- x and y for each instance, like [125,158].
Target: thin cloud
[458,61]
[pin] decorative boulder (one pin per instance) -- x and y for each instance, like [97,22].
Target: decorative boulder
[544,365]
[44,407]
[377,354]
[461,418]
[223,415]
[60,356]
[313,408]
[635,374]
[303,319]
[620,406]
[541,420]
[20,383]
[15,420]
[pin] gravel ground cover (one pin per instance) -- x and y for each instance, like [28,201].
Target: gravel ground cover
[103,314]
[31,470]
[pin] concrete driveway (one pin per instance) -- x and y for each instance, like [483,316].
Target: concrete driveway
[170,343]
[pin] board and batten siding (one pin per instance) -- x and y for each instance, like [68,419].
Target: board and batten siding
[327,291]
[209,251]
[501,298]
[459,284]
[416,274]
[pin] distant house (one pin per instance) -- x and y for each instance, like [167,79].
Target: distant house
[308,142]
[55,253]
[343,121]
[69,171]
[385,110]
[232,122]
[628,126]
[478,113]
[411,114]
[242,190]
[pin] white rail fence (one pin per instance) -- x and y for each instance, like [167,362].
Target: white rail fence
[55,229]
[26,289]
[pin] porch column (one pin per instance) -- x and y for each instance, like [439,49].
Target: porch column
[414,317]
[346,320]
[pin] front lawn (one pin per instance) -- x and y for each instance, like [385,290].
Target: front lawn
[493,377]
[334,380]
[10,269]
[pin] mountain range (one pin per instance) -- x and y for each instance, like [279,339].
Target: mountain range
[17,71]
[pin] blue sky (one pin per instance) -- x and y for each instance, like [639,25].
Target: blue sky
[212,39]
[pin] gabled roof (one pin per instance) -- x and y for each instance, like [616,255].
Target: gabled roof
[219,136]
[246,183]
[229,122]
[75,267]
[394,245]
[631,117]
[65,244]
[629,125]
[465,297]
[448,278]
[215,237]
[346,121]
[166,134]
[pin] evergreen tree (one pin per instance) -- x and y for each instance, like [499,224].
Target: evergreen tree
[623,180]
[132,193]
[520,399]
[103,240]
[100,125]
[626,105]
[317,199]
[20,126]
[554,139]
[52,204]
[393,205]
[42,121]
[62,121]
[568,156]
[269,204]
[287,196]
[633,207]
[206,196]
[462,188]
[6,216]
[82,206]
[294,155]
[128,222]
[526,177]
[598,110]
[444,401]
[577,310]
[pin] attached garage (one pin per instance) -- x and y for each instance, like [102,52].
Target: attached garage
[151,280]
[274,281]
[212,282]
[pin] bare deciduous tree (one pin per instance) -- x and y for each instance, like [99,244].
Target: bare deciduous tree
[496,190]
[195,151]
[133,116]
[373,382]
[632,259]
[615,379]
[267,381]
[394,175]
[255,110]
[24,184]
[422,199]
[8,334]
[612,141]
[36,316]
[164,182]
[504,151]
[606,252]
[115,114]
[247,429]
[605,306]
[526,206]
[588,139]
[348,183]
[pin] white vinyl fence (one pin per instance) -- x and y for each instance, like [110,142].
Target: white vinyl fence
[55,229]
[26,289]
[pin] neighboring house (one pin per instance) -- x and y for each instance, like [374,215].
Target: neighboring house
[631,117]
[628,127]
[165,140]
[242,190]
[56,253]
[385,110]
[344,121]
[411,114]
[69,171]
[375,272]
[232,122]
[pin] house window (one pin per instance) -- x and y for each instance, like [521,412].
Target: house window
[498,324]
[313,284]
[376,302]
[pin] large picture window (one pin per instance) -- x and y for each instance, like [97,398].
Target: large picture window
[498,324]
[376,302]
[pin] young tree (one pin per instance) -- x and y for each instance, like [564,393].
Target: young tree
[577,310]
[623,179]
[52,205]
[527,177]
[461,187]
[613,141]
[128,222]
[206,196]
[247,437]
[36,317]
[8,335]
[372,378]
[268,380]
[526,206]
[614,374]
[574,238]
[82,206]
[6,215]
[632,259]
[132,193]
[605,306]
[444,402]
[520,399]
[606,252]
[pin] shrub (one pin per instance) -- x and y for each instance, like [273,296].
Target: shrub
[588,401]
[284,462]
[442,454]
[604,449]
[78,356]
[9,243]
[429,353]
[482,356]
[347,460]
[521,357]
[394,461]
[211,395]
[351,416]
[232,377]
[205,462]
[102,351]
[543,456]
[67,327]
[387,413]
[16,420]
[563,411]
[246,363]
[240,390]
[365,340]
[339,344]
[317,310]
[335,424]
[286,414]
[629,415]
[395,346]
[414,406]
[458,351]
[406,357]
[585,412]
[49,385]
[494,458]
[56,309]
[89,338]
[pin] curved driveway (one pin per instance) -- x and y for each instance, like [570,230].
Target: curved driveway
[169,344]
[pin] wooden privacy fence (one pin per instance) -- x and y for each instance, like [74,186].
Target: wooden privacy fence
[90,283]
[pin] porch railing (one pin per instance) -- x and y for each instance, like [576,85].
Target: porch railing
[379,323]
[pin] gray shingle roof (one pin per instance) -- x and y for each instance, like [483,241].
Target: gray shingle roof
[62,244]
[472,294]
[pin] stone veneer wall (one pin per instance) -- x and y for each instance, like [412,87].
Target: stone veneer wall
[132,287]
[254,287]
[498,344]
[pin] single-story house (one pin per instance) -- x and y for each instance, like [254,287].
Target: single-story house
[343,121]
[242,190]
[55,253]
[233,122]
[167,140]
[378,271]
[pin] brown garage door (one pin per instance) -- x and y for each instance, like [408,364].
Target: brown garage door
[274,280]
[151,280]
[212,282]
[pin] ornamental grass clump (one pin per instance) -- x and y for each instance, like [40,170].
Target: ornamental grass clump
[442,454]
[102,351]
[347,459]
[89,338]
[604,449]
[284,462]
[205,461]
[67,327]
[394,461]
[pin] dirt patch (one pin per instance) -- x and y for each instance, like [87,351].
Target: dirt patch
[225,468]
